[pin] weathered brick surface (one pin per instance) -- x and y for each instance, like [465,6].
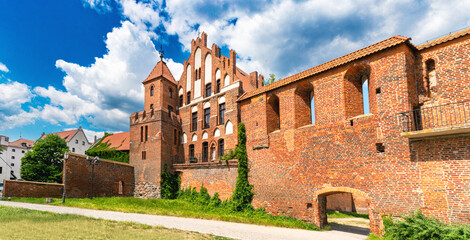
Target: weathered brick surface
[106,178]
[14,188]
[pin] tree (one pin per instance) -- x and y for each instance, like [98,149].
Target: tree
[271,79]
[44,163]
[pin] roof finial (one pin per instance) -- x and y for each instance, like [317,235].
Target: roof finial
[161,52]
[198,33]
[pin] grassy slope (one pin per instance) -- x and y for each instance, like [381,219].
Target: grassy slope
[179,208]
[17,223]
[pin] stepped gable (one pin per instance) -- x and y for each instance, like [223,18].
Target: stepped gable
[387,43]
[160,70]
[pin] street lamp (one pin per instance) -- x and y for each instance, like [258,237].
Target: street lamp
[92,162]
[66,156]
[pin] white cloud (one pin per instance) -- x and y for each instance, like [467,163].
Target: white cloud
[14,95]
[3,68]
[100,6]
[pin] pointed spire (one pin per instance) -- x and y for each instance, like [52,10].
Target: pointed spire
[161,52]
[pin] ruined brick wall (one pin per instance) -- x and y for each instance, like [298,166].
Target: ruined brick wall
[14,188]
[444,176]
[218,178]
[108,176]
[289,166]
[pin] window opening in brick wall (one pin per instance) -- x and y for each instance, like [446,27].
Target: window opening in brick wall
[365,94]
[221,113]
[188,97]
[146,133]
[303,104]
[170,92]
[221,147]
[194,122]
[431,79]
[217,88]
[191,153]
[141,133]
[170,110]
[151,106]
[151,90]
[272,113]
[205,151]
[208,90]
[121,188]
[378,90]
[207,117]
[175,137]
[380,147]
[144,155]
[181,101]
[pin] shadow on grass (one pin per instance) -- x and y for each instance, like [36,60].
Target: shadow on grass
[350,229]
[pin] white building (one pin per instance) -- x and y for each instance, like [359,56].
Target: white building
[10,158]
[76,140]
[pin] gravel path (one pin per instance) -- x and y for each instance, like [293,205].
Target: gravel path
[219,228]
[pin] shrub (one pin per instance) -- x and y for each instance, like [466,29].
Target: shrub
[169,183]
[102,150]
[419,227]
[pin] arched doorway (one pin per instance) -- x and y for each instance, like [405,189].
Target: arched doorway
[320,217]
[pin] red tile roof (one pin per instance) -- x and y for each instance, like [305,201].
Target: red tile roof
[444,39]
[66,135]
[120,141]
[19,143]
[387,43]
[160,69]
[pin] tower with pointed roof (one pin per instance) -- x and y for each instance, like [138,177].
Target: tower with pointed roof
[154,131]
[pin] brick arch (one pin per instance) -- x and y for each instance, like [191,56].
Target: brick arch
[319,213]
[302,104]
[353,80]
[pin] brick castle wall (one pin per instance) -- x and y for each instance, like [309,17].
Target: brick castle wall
[14,188]
[107,179]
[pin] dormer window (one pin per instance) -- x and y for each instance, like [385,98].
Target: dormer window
[23,144]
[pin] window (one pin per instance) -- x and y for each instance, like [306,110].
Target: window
[73,149]
[76,141]
[141,133]
[175,139]
[273,115]
[205,151]
[191,152]
[23,144]
[365,94]
[146,133]
[431,74]
[188,97]
[121,187]
[222,113]
[199,76]
[83,143]
[208,90]
[221,147]
[12,164]
[22,151]
[151,91]
[207,117]
[1,170]
[194,121]
[217,88]
[151,106]
[170,110]
[181,101]
[12,157]
[304,108]
[144,155]
[170,92]
[13,150]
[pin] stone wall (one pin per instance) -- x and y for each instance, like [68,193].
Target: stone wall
[14,188]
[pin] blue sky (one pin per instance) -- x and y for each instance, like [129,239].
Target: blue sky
[65,64]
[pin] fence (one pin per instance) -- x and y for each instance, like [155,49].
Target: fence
[446,115]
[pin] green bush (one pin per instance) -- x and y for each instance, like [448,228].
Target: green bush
[170,184]
[419,227]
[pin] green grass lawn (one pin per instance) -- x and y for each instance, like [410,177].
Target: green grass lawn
[18,223]
[180,208]
[336,214]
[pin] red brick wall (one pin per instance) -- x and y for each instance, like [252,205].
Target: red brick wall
[107,175]
[218,178]
[13,188]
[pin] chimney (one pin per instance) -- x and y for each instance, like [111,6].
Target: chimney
[254,79]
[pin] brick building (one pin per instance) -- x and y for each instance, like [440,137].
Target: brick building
[387,124]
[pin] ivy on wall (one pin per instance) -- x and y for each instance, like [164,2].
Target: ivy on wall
[103,150]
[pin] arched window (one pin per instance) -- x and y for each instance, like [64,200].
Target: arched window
[357,85]
[205,151]
[188,97]
[151,90]
[303,104]
[272,114]
[185,139]
[170,92]
[228,128]
[365,94]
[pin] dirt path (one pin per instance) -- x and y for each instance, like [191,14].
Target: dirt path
[220,228]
